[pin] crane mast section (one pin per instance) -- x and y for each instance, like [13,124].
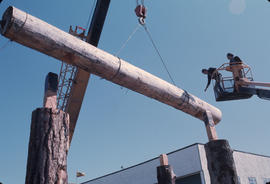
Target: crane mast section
[81,78]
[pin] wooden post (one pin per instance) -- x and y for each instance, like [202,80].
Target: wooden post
[49,140]
[165,174]
[210,126]
[50,94]
[220,162]
[37,34]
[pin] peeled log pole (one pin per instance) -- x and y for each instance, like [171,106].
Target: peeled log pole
[39,35]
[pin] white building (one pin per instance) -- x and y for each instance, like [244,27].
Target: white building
[190,166]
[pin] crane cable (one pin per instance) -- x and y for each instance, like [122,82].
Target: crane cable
[5,45]
[158,52]
[140,11]
[91,14]
[143,24]
[129,38]
[142,1]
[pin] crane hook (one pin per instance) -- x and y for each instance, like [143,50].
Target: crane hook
[141,20]
[140,11]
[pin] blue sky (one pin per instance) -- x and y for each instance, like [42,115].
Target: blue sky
[117,127]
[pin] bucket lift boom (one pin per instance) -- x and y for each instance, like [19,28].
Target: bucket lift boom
[240,85]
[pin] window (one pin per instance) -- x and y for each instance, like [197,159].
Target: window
[238,180]
[266,180]
[252,180]
[193,179]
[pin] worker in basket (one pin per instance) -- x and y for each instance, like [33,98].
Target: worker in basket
[212,73]
[235,68]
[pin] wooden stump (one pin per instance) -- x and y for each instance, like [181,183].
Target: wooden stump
[49,140]
[165,174]
[48,147]
[220,162]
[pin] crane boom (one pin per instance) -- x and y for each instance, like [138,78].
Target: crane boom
[240,85]
[244,81]
[81,78]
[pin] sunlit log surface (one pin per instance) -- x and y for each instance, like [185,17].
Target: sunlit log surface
[41,36]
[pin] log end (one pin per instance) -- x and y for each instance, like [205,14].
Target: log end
[50,94]
[215,113]
[163,158]
[6,20]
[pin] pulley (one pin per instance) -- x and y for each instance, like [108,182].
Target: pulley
[141,11]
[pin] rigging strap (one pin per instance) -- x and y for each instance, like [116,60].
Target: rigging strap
[129,38]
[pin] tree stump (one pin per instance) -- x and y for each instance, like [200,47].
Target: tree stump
[165,174]
[220,162]
[49,141]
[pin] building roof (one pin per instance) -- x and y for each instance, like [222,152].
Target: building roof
[167,154]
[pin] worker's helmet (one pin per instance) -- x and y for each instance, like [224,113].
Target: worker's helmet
[204,71]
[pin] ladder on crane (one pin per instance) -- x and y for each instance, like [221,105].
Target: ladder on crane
[73,81]
[67,75]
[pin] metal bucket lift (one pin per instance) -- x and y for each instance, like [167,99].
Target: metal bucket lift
[240,85]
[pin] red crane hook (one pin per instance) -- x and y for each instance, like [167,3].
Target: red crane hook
[141,11]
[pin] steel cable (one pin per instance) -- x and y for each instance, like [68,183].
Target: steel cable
[161,58]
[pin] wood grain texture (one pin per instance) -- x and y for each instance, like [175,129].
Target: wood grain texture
[163,159]
[43,37]
[165,174]
[48,147]
[220,162]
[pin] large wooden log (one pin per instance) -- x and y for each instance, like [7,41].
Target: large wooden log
[39,35]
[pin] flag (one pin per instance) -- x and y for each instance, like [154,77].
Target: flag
[79,174]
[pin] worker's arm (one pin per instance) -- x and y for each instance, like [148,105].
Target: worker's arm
[208,83]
